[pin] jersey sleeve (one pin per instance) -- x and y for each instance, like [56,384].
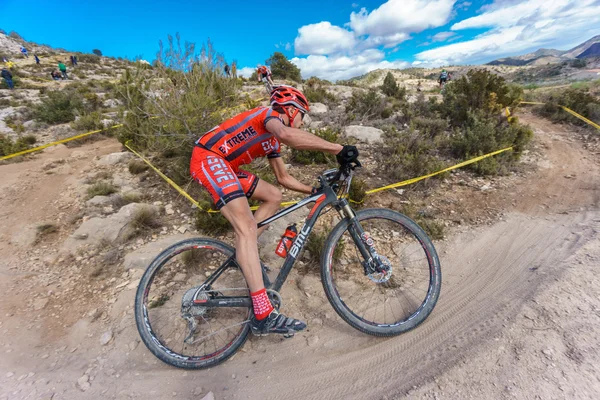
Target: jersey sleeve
[269,115]
[276,150]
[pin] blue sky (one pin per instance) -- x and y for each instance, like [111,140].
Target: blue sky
[327,38]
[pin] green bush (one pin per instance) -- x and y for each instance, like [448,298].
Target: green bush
[307,157]
[390,87]
[315,92]
[365,105]
[101,189]
[88,58]
[579,100]
[478,91]
[137,167]
[357,192]
[484,135]
[409,154]
[58,107]
[7,146]
[579,63]
[88,122]
[431,127]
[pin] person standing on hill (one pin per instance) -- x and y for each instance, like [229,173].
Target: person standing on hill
[37,59]
[7,78]
[227,70]
[63,70]
[24,51]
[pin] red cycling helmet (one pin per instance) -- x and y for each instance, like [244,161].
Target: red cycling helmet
[285,96]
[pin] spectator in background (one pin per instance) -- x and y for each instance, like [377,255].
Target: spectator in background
[55,75]
[37,59]
[75,59]
[24,51]
[63,70]
[7,77]
[227,70]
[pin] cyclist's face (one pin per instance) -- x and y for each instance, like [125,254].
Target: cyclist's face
[298,120]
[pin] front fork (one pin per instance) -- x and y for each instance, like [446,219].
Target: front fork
[365,244]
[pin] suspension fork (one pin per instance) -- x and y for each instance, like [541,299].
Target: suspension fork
[363,241]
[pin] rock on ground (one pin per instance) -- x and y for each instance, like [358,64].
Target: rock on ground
[364,133]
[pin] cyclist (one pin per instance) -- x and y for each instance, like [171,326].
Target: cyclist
[264,72]
[443,78]
[215,163]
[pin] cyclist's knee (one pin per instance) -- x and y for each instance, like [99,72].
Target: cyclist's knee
[245,227]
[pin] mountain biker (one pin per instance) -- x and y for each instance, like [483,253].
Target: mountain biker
[215,163]
[443,78]
[264,72]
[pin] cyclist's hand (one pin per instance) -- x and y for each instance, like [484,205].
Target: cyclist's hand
[348,156]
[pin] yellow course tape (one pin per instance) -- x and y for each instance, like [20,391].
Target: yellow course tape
[20,153]
[289,203]
[581,117]
[460,165]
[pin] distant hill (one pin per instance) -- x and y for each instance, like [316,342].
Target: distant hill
[545,56]
[592,51]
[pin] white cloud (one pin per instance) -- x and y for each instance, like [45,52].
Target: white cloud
[246,72]
[442,36]
[323,38]
[518,28]
[337,67]
[288,46]
[401,16]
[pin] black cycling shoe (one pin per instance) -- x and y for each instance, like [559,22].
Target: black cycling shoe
[276,323]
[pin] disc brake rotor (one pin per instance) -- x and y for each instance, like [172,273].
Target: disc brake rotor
[383,271]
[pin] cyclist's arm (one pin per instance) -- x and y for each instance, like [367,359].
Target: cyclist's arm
[285,179]
[299,139]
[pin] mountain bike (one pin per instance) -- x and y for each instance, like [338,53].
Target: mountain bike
[379,269]
[268,85]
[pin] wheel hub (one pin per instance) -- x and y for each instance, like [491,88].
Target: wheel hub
[382,270]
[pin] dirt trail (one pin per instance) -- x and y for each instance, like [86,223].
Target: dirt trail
[495,279]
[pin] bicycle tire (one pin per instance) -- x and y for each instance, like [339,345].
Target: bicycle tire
[411,229]
[144,326]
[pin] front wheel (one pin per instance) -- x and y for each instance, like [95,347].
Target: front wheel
[397,295]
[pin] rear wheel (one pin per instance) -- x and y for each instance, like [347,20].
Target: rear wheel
[176,330]
[404,287]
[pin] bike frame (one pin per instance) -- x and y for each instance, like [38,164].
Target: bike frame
[322,198]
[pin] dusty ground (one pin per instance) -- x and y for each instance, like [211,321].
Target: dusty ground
[518,317]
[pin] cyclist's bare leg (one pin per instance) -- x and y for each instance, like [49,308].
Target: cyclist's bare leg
[238,213]
[270,198]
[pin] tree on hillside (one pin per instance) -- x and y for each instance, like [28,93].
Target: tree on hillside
[97,52]
[389,87]
[282,68]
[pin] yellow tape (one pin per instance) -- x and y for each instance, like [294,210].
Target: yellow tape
[413,180]
[581,117]
[57,142]
[166,178]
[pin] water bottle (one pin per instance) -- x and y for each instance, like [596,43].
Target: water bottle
[286,241]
